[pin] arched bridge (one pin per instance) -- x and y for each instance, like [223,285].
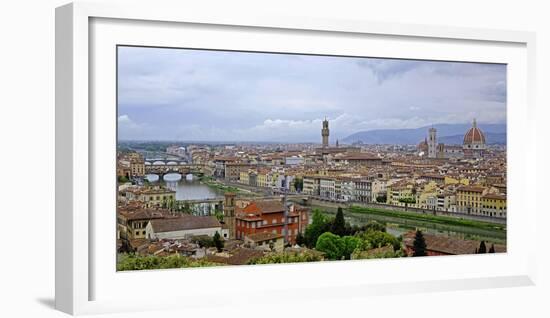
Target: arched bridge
[183,168]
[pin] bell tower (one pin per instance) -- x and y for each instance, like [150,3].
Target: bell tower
[432,143]
[229,213]
[325,133]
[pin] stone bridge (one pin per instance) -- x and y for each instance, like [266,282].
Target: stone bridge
[183,168]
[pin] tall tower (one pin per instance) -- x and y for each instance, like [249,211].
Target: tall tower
[229,213]
[325,133]
[432,143]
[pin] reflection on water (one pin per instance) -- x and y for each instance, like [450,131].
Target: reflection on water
[194,190]
[398,226]
[187,188]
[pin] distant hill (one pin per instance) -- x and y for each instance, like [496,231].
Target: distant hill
[446,133]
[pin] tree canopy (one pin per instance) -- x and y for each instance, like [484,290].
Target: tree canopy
[339,224]
[319,225]
[137,262]
[419,244]
[218,243]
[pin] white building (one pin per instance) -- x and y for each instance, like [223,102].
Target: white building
[183,227]
[327,188]
[294,161]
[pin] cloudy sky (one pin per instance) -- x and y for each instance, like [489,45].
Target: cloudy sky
[197,95]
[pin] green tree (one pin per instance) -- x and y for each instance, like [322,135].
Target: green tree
[300,239]
[407,201]
[219,215]
[382,198]
[374,226]
[298,184]
[375,239]
[123,179]
[137,262]
[218,242]
[319,225]
[492,248]
[349,244]
[204,241]
[419,244]
[339,224]
[330,244]
[482,248]
[288,257]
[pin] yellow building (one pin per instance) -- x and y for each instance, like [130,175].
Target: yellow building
[468,199]
[494,205]
[151,196]
[131,164]
[451,180]
[261,179]
[244,177]
[429,191]
[401,194]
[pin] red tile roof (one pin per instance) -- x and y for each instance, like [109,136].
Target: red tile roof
[184,222]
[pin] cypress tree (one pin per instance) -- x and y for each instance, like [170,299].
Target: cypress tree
[419,244]
[339,224]
[492,248]
[482,248]
[300,238]
[218,243]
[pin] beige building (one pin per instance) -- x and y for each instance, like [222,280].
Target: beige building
[265,240]
[151,196]
[183,227]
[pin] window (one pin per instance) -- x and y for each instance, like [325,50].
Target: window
[273,221]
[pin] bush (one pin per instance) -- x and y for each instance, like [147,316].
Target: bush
[375,239]
[319,225]
[287,257]
[330,244]
[336,247]
[131,262]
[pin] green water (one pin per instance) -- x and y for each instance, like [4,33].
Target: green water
[398,226]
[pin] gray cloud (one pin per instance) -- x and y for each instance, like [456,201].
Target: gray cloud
[215,95]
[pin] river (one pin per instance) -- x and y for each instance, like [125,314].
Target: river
[190,189]
[398,226]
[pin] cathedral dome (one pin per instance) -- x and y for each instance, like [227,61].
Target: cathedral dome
[474,136]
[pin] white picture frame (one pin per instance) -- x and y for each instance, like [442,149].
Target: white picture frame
[82,45]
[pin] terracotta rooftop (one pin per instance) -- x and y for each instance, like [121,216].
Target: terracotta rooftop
[449,245]
[240,256]
[264,206]
[494,196]
[471,188]
[263,236]
[184,222]
[143,214]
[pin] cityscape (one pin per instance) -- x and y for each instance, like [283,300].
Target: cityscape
[321,169]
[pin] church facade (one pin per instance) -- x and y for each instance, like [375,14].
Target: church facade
[473,145]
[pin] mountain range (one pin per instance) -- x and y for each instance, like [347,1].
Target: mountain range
[450,134]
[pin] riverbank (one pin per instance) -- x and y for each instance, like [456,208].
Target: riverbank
[220,186]
[399,224]
[444,220]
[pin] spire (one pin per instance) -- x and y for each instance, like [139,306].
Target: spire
[474,124]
